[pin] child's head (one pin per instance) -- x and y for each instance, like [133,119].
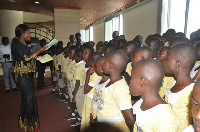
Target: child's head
[78,56]
[198,50]
[180,58]
[146,77]
[142,53]
[115,61]
[59,50]
[178,40]
[93,58]
[170,33]
[196,105]
[178,34]
[121,44]
[109,48]
[72,50]
[139,40]
[60,44]
[155,44]
[71,38]
[100,47]
[195,41]
[87,50]
[162,55]
[130,48]
[99,66]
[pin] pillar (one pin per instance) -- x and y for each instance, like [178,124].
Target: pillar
[67,22]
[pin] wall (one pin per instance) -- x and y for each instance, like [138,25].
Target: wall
[99,32]
[9,20]
[141,20]
[67,22]
[36,17]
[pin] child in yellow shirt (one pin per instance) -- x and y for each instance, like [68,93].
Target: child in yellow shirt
[152,113]
[98,87]
[168,80]
[70,75]
[180,60]
[114,108]
[130,51]
[91,80]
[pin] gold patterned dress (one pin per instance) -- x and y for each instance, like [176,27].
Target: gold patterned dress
[22,68]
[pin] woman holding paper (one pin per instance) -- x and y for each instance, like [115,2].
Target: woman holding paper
[22,68]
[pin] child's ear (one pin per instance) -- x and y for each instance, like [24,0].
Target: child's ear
[142,82]
[178,63]
[111,66]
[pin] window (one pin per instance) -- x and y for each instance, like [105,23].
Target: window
[87,35]
[91,34]
[115,24]
[82,32]
[182,15]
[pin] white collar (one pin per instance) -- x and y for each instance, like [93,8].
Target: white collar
[80,62]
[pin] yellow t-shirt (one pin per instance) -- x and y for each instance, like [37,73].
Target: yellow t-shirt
[129,68]
[64,63]
[86,110]
[180,103]
[167,82]
[160,118]
[79,73]
[55,62]
[70,70]
[60,56]
[113,100]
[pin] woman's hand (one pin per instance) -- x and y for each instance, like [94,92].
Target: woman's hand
[41,50]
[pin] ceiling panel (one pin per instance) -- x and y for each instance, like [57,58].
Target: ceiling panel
[91,10]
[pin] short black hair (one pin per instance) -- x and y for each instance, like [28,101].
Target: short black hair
[42,41]
[119,59]
[146,50]
[152,68]
[4,39]
[171,31]
[89,47]
[186,53]
[179,40]
[94,56]
[20,29]
[132,44]
[79,53]
[74,47]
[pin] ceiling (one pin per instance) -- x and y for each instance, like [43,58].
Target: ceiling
[90,10]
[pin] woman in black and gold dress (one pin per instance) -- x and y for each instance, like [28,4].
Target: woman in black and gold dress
[22,68]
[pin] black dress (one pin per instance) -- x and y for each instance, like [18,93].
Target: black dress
[22,68]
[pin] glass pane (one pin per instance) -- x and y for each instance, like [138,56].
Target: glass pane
[177,15]
[87,35]
[193,18]
[91,34]
[108,30]
[121,25]
[82,32]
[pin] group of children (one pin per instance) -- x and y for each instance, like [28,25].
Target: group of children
[130,86]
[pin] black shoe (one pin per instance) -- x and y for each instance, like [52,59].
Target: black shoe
[52,92]
[15,89]
[7,91]
[75,123]
[70,117]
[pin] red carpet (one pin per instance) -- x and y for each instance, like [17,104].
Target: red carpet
[51,110]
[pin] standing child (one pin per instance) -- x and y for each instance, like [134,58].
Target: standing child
[79,73]
[91,80]
[114,108]
[69,79]
[168,80]
[152,113]
[98,87]
[180,60]
[130,51]
[195,101]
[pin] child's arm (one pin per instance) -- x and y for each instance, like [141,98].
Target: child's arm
[77,84]
[129,118]
[87,88]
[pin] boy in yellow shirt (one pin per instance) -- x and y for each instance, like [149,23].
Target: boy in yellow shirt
[180,60]
[168,80]
[114,108]
[91,80]
[153,114]
[130,51]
